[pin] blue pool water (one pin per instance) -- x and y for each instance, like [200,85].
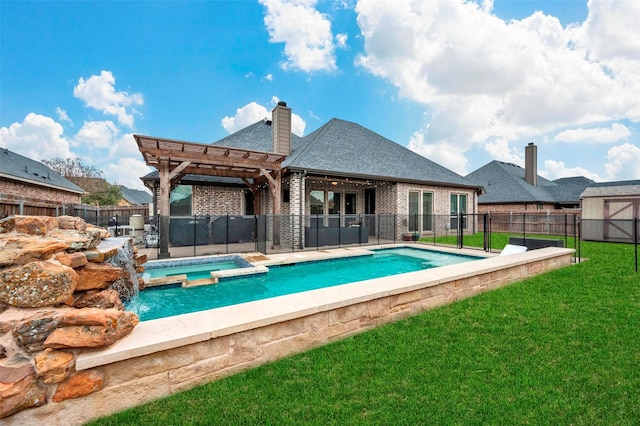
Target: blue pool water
[161,302]
[192,272]
[195,268]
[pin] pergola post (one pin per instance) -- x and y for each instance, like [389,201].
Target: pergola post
[165,191]
[275,185]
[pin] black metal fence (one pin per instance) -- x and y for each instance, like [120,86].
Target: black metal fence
[222,234]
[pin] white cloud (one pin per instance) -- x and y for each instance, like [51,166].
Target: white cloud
[38,137]
[440,152]
[63,116]
[557,169]
[297,125]
[611,29]
[597,135]
[623,162]
[98,92]
[269,77]
[97,134]
[500,150]
[127,171]
[245,116]
[305,32]
[487,5]
[341,40]
[253,112]
[489,82]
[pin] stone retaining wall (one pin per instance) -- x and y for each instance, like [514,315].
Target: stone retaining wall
[301,323]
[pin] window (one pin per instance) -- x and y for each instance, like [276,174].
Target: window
[427,211]
[350,203]
[333,205]
[316,202]
[420,212]
[180,200]
[458,206]
[333,202]
[414,206]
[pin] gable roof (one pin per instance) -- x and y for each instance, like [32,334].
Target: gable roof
[506,183]
[17,167]
[135,196]
[618,188]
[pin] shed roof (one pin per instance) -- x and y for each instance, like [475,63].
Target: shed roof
[613,189]
[17,167]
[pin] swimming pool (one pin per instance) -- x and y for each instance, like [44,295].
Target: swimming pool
[165,301]
[196,271]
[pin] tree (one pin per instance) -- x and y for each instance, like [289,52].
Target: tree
[100,192]
[72,167]
[109,197]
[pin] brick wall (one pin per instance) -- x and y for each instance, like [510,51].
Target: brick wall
[40,193]
[218,200]
[23,198]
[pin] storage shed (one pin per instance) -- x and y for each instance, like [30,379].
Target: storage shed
[609,211]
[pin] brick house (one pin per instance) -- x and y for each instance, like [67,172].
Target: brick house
[333,177]
[30,187]
[512,189]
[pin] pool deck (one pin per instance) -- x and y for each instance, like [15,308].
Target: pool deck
[170,355]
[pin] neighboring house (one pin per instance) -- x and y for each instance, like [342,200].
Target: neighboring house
[134,197]
[129,197]
[510,188]
[30,187]
[333,176]
[609,210]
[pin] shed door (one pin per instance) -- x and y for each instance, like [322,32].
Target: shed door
[619,215]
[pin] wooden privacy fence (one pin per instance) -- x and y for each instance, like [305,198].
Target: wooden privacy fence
[535,223]
[96,215]
[21,205]
[100,215]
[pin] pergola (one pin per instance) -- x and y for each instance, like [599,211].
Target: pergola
[174,159]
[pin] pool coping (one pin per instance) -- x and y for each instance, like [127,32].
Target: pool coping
[167,333]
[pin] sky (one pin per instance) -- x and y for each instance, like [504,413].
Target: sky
[462,83]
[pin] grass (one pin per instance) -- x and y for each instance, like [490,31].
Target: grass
[561,348]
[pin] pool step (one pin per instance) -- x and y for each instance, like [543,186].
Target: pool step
[201,281]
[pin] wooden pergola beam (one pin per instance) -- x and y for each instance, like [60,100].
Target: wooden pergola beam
[174,159]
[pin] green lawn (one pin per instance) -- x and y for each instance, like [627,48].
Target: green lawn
[562,348]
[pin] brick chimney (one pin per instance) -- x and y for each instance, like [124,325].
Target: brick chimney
[531,164]
[281,128]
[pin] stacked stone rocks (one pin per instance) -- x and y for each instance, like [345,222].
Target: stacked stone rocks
[59,295]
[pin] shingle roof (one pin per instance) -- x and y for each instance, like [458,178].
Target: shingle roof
[618,188]
[340,148]
[135,196]
[17,167]
[506,183]
[568,189]
[344,148]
